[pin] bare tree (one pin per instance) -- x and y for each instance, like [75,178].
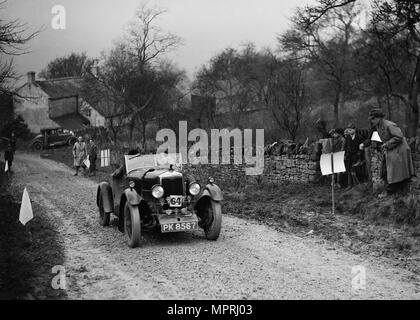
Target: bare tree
[14,36]
[327,45]
[130,67]
[146,41]
[288,95]
[323,7]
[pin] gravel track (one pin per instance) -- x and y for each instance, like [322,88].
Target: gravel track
[249,261]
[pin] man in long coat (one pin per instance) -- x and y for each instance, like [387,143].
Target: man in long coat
[79,154]
[398,166]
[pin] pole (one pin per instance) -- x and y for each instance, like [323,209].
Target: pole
[332,183]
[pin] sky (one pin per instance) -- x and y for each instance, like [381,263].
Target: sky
[205,26]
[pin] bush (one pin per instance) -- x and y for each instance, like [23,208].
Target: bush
[18,126]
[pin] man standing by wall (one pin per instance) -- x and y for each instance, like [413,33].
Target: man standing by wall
[353,155]
[13,141]
[8,157]
[397,165]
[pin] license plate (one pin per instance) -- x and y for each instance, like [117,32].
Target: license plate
[175,201]
[178,226]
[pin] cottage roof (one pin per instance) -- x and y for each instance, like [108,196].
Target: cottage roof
[61,87]
[94,92]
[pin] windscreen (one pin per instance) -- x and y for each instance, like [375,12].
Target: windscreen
[156,161]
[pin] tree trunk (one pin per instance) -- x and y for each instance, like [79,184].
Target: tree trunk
[336,106]
[413,118]
[131,130]
[388,105]
[413,112]
[143,127]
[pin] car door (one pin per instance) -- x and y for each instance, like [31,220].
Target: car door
[53,137]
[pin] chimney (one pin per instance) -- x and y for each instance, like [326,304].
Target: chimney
[31,77]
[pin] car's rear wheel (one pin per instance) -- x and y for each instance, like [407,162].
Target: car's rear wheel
[132,225]
[71,141]
[104,217]
[37,146]
[212,211]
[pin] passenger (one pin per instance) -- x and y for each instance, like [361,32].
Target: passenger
[122,170]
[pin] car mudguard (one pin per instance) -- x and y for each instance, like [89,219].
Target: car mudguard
[213,191]
[132,197]
[105,191]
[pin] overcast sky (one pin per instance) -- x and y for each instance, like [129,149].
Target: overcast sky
[206,26]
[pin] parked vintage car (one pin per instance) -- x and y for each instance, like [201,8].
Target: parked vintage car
[151,192]
[50,138]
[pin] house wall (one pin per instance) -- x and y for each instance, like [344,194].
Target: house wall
[33,108]
[95,118]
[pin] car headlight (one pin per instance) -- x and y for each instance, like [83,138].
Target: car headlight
[157,191]
[194,188]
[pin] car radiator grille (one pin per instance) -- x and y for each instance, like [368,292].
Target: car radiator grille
[173,186]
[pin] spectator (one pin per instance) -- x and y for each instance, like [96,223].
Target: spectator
[354,157]
[79,154]
[321,127]
[93,155]
[122,170]
[8,156]
[337,140]
[13,142]
[397,164]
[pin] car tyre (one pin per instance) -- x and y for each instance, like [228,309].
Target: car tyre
[132,225]
[71,141]
[37,146]
[213,224]
[104,217]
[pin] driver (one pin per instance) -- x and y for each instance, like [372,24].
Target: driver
[121,171]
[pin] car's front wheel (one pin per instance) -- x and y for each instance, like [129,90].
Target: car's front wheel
[104,217]
[132,225]
[212,224]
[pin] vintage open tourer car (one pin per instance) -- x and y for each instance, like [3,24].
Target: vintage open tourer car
[152,193]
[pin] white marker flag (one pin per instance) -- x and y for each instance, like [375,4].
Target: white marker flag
[25,213]
[376,137]
[87,162]
[6,166]
[327,162]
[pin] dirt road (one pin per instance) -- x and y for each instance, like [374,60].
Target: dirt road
[249,261]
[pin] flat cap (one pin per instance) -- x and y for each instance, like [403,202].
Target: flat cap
[376,113]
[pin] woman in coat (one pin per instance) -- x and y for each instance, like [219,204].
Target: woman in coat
[398,164]
[79,154]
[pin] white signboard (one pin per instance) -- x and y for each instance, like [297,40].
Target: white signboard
[329,161]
